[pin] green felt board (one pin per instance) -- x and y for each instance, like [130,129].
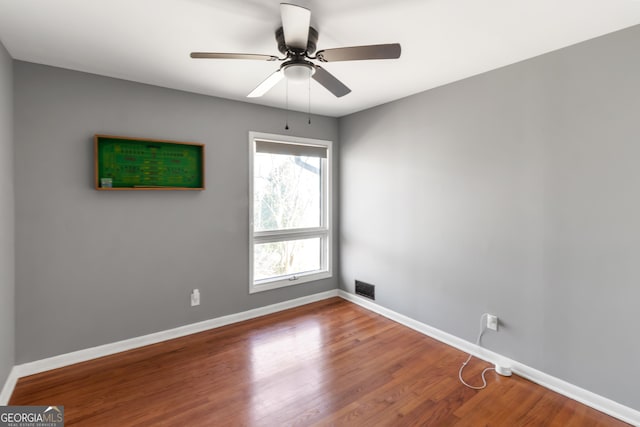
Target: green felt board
[137,163]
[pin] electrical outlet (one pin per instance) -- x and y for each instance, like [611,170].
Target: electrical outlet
[195,297]
[492,322]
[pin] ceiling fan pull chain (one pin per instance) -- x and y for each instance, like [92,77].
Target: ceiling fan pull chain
[309,107]
[286,122]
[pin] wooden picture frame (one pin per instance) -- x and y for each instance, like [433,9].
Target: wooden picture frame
[126,163]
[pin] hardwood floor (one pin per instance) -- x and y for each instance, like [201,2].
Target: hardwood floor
[326,363]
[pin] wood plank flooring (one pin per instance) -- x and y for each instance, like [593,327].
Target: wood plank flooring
[326,363]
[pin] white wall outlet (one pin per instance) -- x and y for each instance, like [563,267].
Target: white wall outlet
[195,297]
[492,322]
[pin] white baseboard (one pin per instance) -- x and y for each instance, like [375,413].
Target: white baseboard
[67,359]
[600,403]
[9,385]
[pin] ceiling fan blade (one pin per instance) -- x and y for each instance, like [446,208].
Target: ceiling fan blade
[332,84]
[266,85]
[356,53]
[217,55]
[295,24]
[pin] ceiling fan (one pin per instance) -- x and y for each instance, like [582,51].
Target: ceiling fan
[297,41]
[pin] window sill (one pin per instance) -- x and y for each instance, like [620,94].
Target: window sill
[285,282]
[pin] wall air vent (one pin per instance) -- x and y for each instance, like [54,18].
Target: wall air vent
[366,290]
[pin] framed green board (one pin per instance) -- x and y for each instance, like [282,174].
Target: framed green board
[123,163]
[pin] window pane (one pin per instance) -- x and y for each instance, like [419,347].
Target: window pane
[286,258]
[287,192]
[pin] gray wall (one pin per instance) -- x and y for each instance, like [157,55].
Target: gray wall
[7,248]
[96,267]
[515,192]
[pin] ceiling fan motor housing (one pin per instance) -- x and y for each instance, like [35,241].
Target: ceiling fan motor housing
[311,43]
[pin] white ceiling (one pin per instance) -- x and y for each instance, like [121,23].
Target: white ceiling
[442,41]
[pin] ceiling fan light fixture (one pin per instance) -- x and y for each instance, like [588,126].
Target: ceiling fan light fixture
[298,71]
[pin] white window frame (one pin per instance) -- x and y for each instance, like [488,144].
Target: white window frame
[324,231]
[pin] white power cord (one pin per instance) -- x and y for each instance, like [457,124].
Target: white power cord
[484,381]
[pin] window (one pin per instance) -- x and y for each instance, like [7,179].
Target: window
[290,231]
